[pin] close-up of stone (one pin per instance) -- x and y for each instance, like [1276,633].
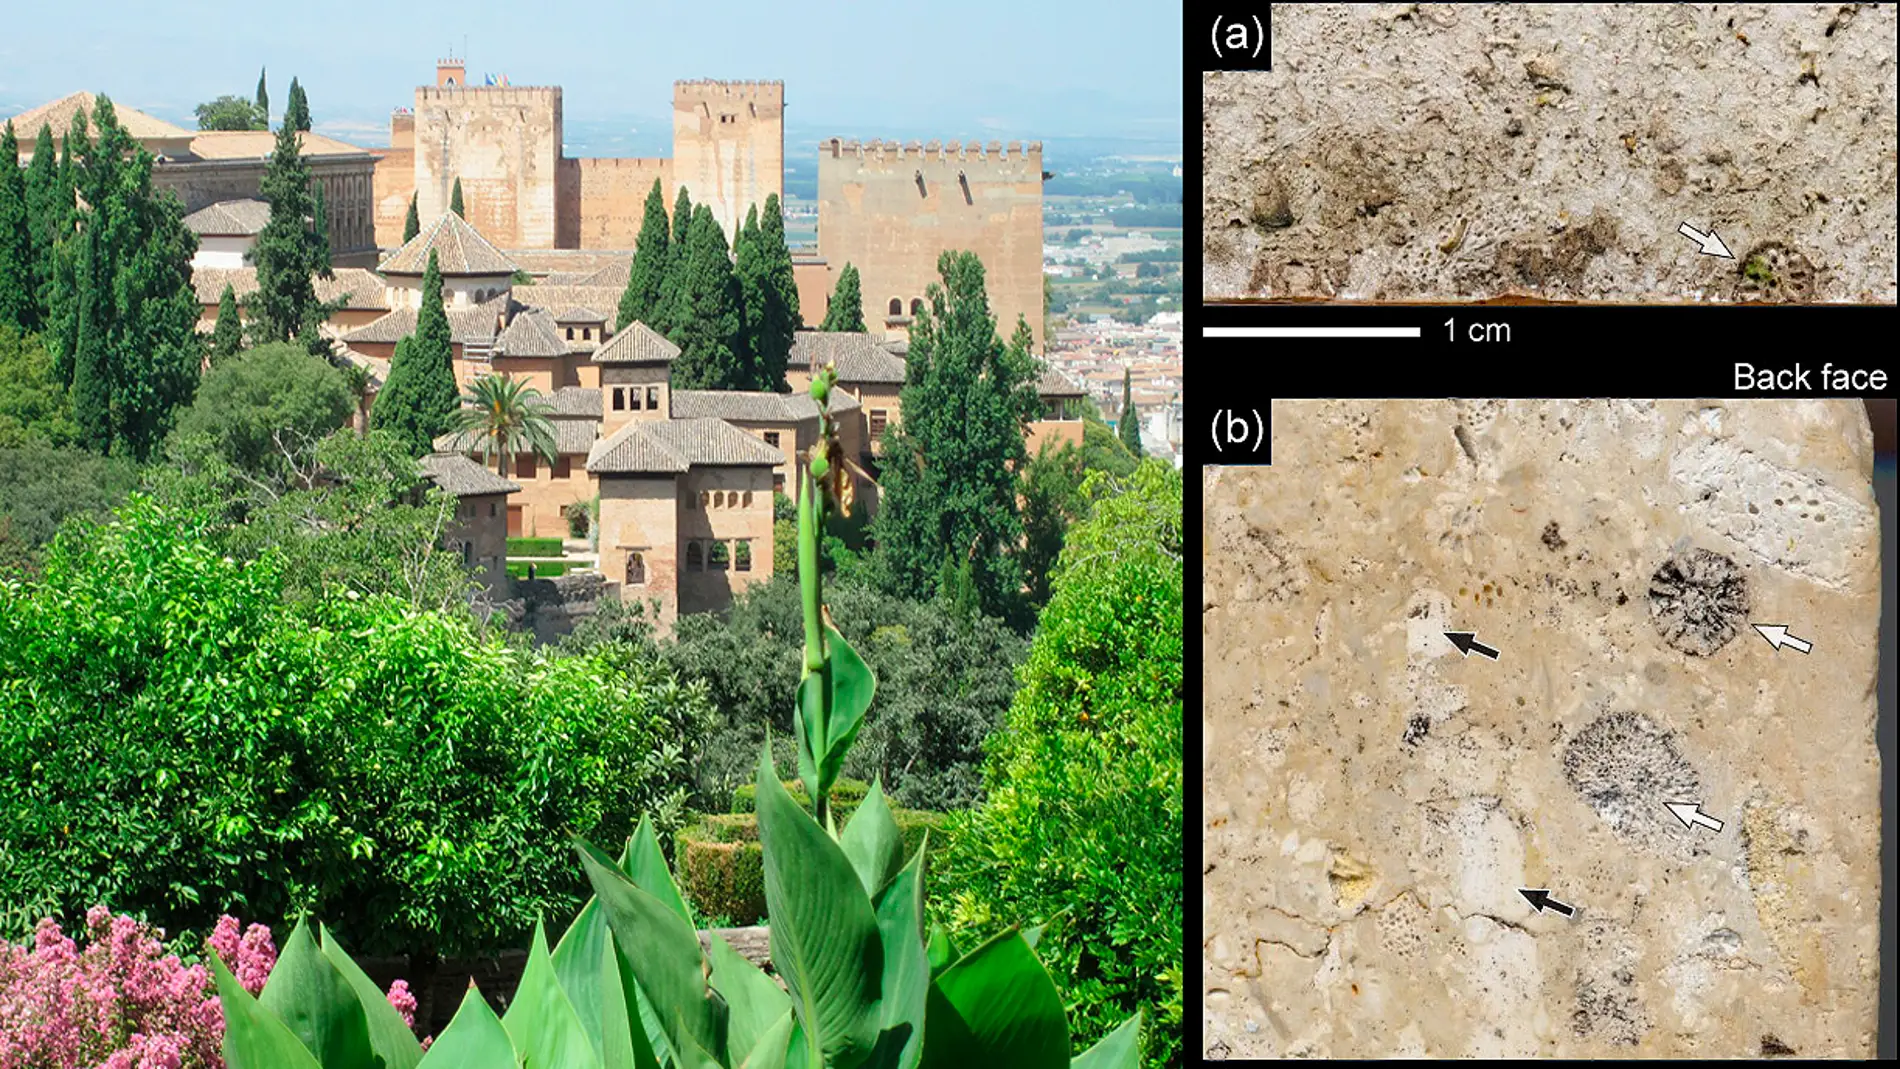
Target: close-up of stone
[1452,152]
[1702,803]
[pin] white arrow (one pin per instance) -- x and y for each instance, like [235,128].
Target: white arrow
[1690,817]
[1711,245]
[1778,636]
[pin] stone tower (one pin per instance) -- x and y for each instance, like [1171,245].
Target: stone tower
[728,146]
[892,208]
[505,146]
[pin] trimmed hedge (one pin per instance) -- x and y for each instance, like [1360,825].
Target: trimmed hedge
[845,796]
[543,569]
[534,547]
[722,868]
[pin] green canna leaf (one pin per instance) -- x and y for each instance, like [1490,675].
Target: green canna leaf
[475,1039]
[825,939]
[996,1007]
[900,925]
[755,1001]
[826,733]
[943,953]
[661,950]
[388,1036]
[317,1004]
[774,1045]
[624,1039]
[645,865]
[597,983]
[253,1036]
[872,842]
[541,1021]
[1120,1049]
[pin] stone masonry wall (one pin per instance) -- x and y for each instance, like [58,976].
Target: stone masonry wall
[1453,151]
[504,145]
[728,146]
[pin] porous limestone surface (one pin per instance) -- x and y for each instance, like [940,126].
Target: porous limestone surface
[1454,151]
[1374,800]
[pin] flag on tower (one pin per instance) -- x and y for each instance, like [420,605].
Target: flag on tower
[489,80]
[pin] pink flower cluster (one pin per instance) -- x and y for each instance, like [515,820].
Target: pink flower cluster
[123,1002]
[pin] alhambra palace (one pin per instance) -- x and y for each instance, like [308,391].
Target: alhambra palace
[685,478]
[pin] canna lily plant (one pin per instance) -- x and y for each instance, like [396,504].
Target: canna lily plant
[629,987]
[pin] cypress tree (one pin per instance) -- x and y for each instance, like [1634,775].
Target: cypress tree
[86,351]
[847,303]
[1128,425]
[642,297]
[418,401]
[42,197]
[286,250]
[320,234]
[263,103]
[707,327]
[666,311]
[949,482]
[297,110]
[411,224]
[748,270]
[227,338]
[17,305]
[455,199]
[780,320]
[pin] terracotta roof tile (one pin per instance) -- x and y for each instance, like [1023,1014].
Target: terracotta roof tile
[59,115]
[858,356]
[365,289]
[531,333]
[1053,383]
[677,444]
[570,402]
[637,344]
[459,250]
[463,477]
[465,325]
[256,144]
[560,298]
[580,314]
[229,218]
[744,404]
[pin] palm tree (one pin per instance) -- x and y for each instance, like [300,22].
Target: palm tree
[508,417]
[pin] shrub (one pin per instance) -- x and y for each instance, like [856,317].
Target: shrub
[268,405]
[543,569]
[534,547]
[845,795]
[579,514]
[168,726]
[722,869]
[1084,810]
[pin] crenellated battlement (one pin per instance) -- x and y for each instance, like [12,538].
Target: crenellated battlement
[531,95]
[711,88]
[931,151]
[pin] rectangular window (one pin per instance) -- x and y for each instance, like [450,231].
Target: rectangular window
[742,556]
[492,513]
[620,399]
[561,467]
[524,465]
[771,439]
[653,398]
[877,423]
[570,334]
[778,483]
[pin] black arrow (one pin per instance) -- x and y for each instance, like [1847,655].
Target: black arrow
[1467,643]
[1540,900]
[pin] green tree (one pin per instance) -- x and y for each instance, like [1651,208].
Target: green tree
[227,338]
[42,484]
[1084,813]
[17,304]
[748,268]
[33,406]
[644,280]
[706,327]
[297,111]
[411,223]
[846,311]
[227,113]
[419,399]
[45,218]
[289,250]
[455,199]
[503,417]
[268,407]
[263,103]
[1128,424]
[949,488]
[124,314]
[781,318]
[667,313]
[1052,500]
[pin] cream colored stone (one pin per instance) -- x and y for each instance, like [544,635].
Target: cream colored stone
[1374,799]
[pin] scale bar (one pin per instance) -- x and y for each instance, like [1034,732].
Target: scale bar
[1310,332]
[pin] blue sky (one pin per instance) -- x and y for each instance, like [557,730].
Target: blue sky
[974,68]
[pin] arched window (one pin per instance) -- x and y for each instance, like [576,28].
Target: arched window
[897,306]
[693,559]
[916,305]
[636,569]
[748,499]
[570,334]
[742,556]
[719,499]
[717,557]
[705,499]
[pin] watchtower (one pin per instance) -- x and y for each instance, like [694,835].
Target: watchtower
[729,146]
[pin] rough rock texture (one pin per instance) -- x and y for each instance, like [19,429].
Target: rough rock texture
[1374,800]
[1452,151]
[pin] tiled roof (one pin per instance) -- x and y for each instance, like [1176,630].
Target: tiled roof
[378,369]
[229,217]
[531,333]
[744,404]
[560,298]
[614,274]
[463,477]
[566,261]
[677,444]
[637,344]
[459,250]
[365,289]
[466,325]
[571,402]
[59,115]
[1054,383]
[256,144]
[571,436]
[858,356]
[580,314]
[564,278]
